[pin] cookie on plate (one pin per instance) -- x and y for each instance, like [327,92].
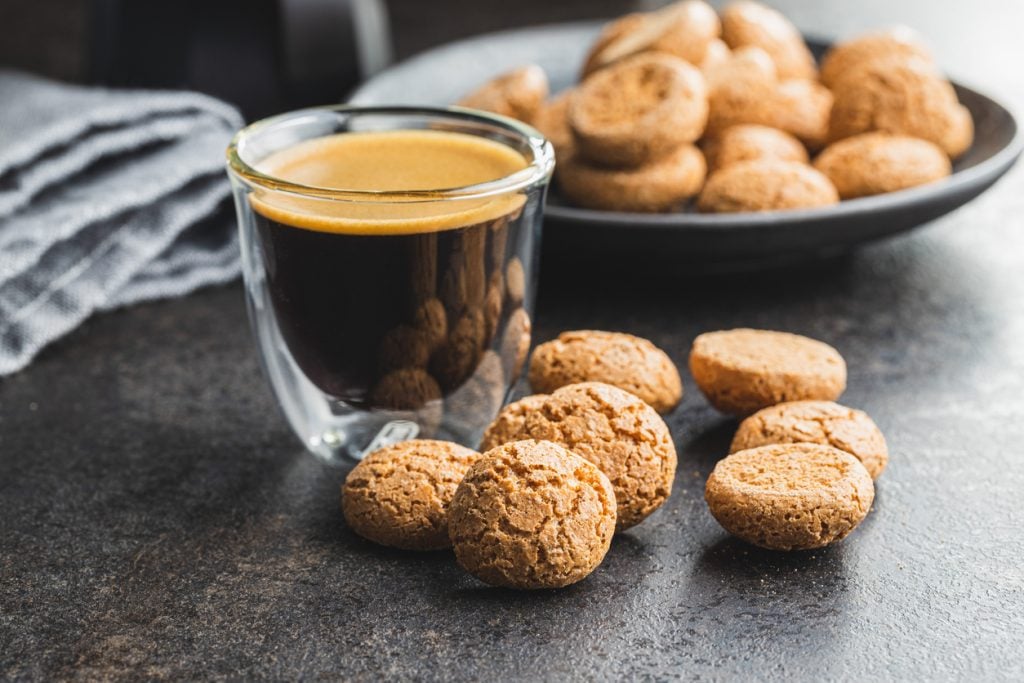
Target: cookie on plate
[742,371]
[790,496]
[530,515]
[900,42]
[638,110]
[751,23]
[741,89]
[511,421]
[611,428]
[520,93]
[553,122]
[398,495]
[802,107]
[622,360]
[876,163]
[750,142]
[821,422]
[766,185]
[904,97]
[660,185]
[683,29]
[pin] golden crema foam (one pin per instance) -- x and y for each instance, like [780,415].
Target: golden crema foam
[388,161]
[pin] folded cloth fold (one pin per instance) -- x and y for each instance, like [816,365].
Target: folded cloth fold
[107,198]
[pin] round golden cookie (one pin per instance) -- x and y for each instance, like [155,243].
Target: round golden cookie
[509,424]
[766,185]
[742,371]
[520,93]
[904,97]
[749,142]
[630,363]
[822,422]
[741,90]
[660,185]
[610,33]
[683,29]
[899,42]
[616,431]
[802,108]
[751,23]
[399,495]
[717,55]
[638,110]
[553,122]
[876,163]
[531,514]
[790,496]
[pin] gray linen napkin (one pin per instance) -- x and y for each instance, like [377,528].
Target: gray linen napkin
[107,198]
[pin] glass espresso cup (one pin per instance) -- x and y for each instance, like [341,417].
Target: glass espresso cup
[385,304]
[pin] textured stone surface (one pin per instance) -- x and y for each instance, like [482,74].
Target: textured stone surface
[157,518]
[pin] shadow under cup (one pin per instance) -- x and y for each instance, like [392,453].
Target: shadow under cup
[387,315]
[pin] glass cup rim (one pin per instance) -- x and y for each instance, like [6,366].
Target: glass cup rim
[539,168]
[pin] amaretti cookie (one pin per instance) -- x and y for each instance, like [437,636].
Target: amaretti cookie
[741,90]
[683,29]
[399,495]
[900,42]
[750,142]
[802,107]
[876,163]
[553,122]
[790,496]
[639,109]
[904,97]
[613,429]
[742,371]
[766,185]
[520,93]
[511,421]
[822,422]
[531,515]
[750,23]
[621,360]
[717,54]
[660,185]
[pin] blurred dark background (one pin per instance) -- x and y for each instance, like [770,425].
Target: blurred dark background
[265,56]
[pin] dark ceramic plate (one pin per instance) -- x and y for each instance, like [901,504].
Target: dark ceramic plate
[441,76]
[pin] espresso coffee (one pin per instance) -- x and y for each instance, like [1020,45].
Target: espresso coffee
[388,303]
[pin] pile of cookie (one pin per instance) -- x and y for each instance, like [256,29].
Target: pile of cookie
[559,472]
[682,106]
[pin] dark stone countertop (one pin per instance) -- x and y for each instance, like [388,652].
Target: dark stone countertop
[158,519]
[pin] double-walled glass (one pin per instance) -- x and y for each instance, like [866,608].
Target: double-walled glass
[416,326]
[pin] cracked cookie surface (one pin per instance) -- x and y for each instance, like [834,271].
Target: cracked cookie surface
[790,496]
[742,371]
[822,422]
[398,495]
[531,514]
[631,363]
[615,430]
[509,424]
[766,185]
